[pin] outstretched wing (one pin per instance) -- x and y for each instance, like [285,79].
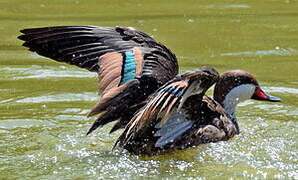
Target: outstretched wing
[170,97]
[92,47]
[120,55]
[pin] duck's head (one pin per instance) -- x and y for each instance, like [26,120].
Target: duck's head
[236,86]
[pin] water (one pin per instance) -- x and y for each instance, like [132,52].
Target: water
[43,104]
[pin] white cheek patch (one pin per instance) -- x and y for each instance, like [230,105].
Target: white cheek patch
[238,94]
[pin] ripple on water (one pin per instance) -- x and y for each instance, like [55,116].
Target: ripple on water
[63,97]
[277,51]
[37,72]
[293,91]
[225,6]
[23,123]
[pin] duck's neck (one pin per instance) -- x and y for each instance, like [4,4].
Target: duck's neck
[236,95]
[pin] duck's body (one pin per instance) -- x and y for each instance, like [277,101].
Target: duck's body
[131,65]
[169,122]
[205,118]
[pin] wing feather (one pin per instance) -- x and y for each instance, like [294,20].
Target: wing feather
[90,47]
[111,68]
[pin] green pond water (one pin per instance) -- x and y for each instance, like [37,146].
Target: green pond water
[43,104]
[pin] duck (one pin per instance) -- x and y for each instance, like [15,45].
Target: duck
[180,115]
[130,64]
